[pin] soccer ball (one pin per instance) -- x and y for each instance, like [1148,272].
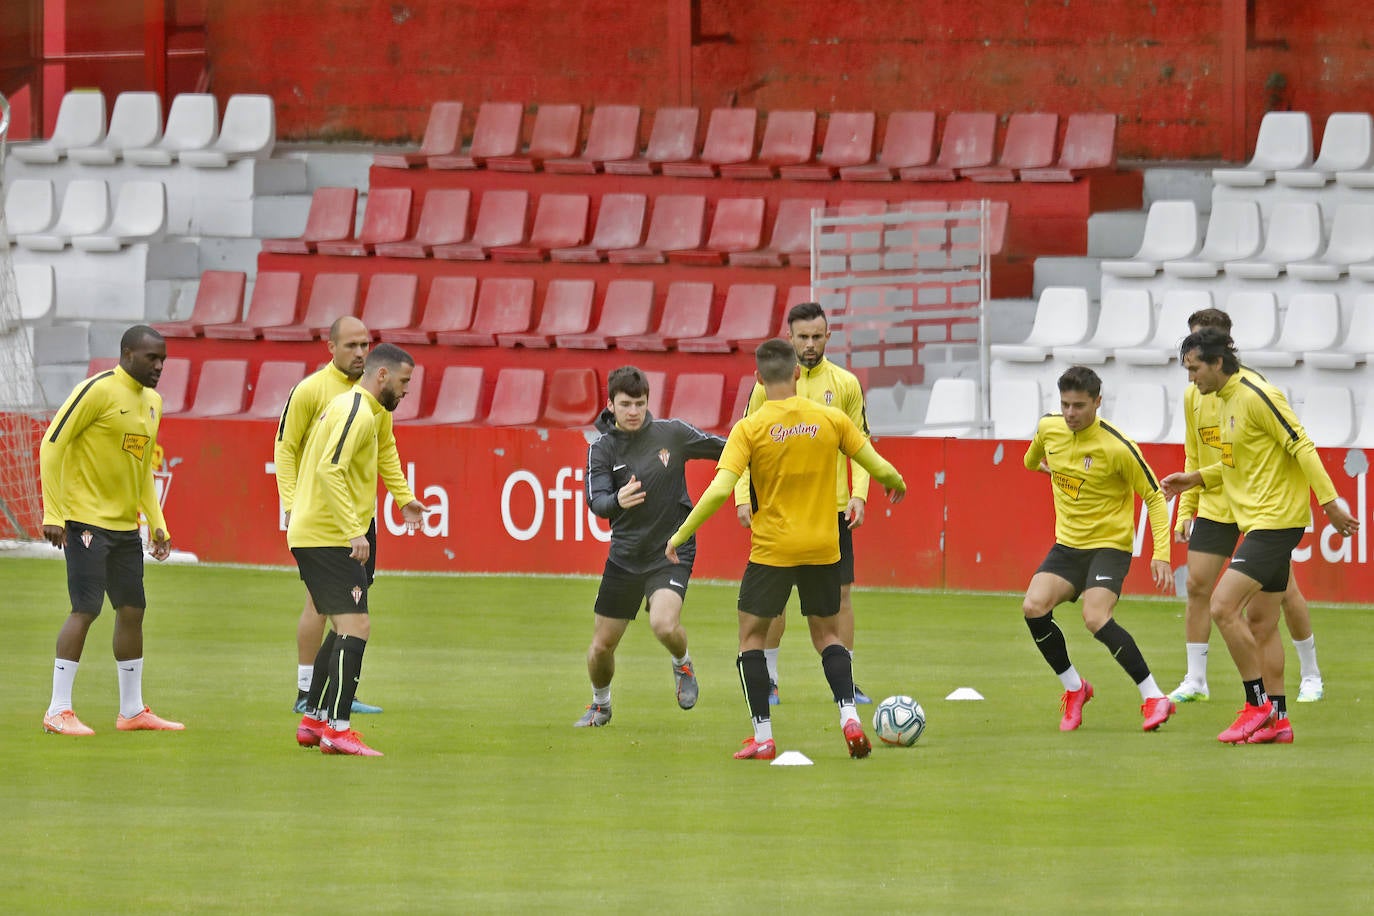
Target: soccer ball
[899,721]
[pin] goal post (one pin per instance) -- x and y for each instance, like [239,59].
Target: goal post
[22,406]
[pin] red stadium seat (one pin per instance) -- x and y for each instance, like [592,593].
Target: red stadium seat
[742,394]
[791,238]
[729,139]
[273,304]
[443,221]
[574,398]
[448,308]
[221,389]
[613,135]
[969,139]
[677,222]
[909,141]
[390,303]
[848,142]
[746,320]
[554,136]
[625,311]
[276,378]
[1089,144]
[333,296]
[219,300]
[697,398]
[1029,144]
[658,390]
[505,305]
[517,397]
[386,218]
[331,217]
[173,385]
[99,364]
[459,399]
[442,137]
[501,218]
[737,226]
[497,133]
[686,313]
[559,222]
[672,139]
[619,225]
[410,405]
[567,310]
[789,138]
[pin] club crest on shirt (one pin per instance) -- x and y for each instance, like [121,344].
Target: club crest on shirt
[1087,462]
[829,398]
[664,456]
[86,538]
[357,594]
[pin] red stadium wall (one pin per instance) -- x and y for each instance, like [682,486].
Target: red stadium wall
[510,500]
[370,69]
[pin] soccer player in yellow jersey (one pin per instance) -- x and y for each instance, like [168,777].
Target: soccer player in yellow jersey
[825,383]
[1096,473]
[349,340]
[96,467]
[1266,464]
[1208,526]
[336,498]
[790,444]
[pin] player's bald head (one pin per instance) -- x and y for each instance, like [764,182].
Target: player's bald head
[344,327]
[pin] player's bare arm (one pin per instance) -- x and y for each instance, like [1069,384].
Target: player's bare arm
[1340,517]
[414,513]
[55,535]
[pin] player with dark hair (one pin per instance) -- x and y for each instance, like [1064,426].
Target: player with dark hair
[1208,526]
[789,444]
[1266,465]
[1096,473]
[825,383]
[336,499]
[349,341]
[636,478]
[96,467]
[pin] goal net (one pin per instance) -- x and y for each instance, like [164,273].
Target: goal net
[22,407]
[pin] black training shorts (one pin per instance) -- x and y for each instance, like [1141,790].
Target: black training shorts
[101,562]
[1094,567]
[622,592]
[764,590]
[1215,538]
[846,552]
[1267,557]
[337,583]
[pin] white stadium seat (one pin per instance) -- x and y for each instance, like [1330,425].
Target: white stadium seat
[80,122]
[192,124]
[85,211]
[1171,233]
[1126,319]
[1234,233]
[1347,145]
[1312,322]
[1328,415]
[1294,233]
[1061,318]
[1284,142]
[249,131]
[1357,345]
[1171,326]
[1351,242]
[140,215]
[136,122]
[30,206]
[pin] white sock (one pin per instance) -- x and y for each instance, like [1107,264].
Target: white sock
[1197,663]
[63,676]
[339,725]
[848,714]
[1070,679]
[601,696]
[1149,690]
[1307,657]
[130,687]
[304,674]
[763,730]
[771,657]
[679,662]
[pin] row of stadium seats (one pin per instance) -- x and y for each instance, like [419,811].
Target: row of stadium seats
[787,150]
[85,220]
[193,134]
[677,227]
[516,396]
[500,311]
[1283,153]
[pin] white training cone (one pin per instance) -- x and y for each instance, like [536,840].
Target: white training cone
[792,759]
[965,693]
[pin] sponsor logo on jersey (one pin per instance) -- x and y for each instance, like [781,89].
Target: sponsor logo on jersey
[1067,484]
[664,456]
[134,444]
[1210,435]
[1228,457]
[780,433]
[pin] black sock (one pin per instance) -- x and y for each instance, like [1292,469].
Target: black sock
[839,671]
[1280,701]
[753,678]
[319,677]
[1254,692]
[1123,648]
[345,668]
[1049,639]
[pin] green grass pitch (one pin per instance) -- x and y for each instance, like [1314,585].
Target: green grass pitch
[489,801]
